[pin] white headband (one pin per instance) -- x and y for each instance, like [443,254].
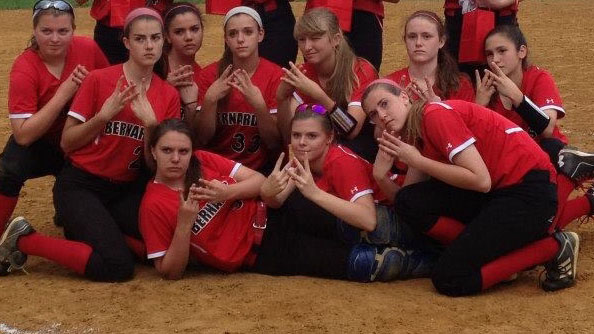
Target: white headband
[243,10]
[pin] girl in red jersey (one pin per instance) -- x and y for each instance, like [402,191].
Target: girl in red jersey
[432,74]
[236,95]
[98,192]
[184,31]
[43,81]
[490,199]
[221,223]
[527,95]
[332,76]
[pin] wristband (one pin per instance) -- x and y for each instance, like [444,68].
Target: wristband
[343,121]
[536,119]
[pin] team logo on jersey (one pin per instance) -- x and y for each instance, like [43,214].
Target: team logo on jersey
[550,101]
[205,215]
[238,118]
[354,190]
[123,129]
[449,147]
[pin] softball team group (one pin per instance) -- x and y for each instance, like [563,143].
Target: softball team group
[320,168]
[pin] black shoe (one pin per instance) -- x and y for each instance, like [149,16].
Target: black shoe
[561,271]
[577,165]
[10,257]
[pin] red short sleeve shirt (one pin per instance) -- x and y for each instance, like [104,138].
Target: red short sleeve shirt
[465,90]
[364,71]
[222,234]
[452,126]
[32,85]
[540,89]
[345,175]
[116,153]
[237,136]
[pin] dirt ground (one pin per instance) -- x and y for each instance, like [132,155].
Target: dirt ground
[53,300]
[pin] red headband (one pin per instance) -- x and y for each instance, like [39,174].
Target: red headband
[384,81]
[133,15]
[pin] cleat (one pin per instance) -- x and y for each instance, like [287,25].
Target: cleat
[561,271]
[577,165]
[10,257]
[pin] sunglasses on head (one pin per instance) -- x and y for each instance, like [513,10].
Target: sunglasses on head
[318,109]
[60,5]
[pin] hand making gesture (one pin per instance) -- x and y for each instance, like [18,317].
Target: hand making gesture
[303,178]
[241,81]
[504,85]
[141,106]
[484,88]
[188,207]
[121,96]
[398,149]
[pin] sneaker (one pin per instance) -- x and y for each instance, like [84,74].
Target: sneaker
[577,165]
[561,271]
[10,257]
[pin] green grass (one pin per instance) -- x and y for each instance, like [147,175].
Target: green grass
[28,4]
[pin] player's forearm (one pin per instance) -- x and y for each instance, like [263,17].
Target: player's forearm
[285,113]
[356,214]
[78,135]
[387,186]
[175,261]
[267,128]
[275,201]
[248,188]
[34,127]
[205,122]
[454,175]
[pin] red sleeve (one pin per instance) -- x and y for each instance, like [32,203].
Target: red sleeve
[157,226]
[22,90]
[84,104]
[365,74]
[545,94]
[270,97]
[349,178]
[465,91]
[212,163]
[206,77]
[445,132]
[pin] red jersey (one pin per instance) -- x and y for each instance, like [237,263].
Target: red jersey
[364,72]
[32,85]
[222,235]
[465,90]
[539,87]
[508,152]
[237,136]
[116,152]
[345,175]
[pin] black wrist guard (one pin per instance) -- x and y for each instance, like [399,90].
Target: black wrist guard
[536,119]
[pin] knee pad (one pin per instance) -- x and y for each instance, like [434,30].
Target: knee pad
[369,263]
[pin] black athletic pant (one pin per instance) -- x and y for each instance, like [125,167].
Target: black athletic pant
[278,45]
[288,250]
[497,223]
[99,212]
[110,41]
[366,37]
[20,163]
